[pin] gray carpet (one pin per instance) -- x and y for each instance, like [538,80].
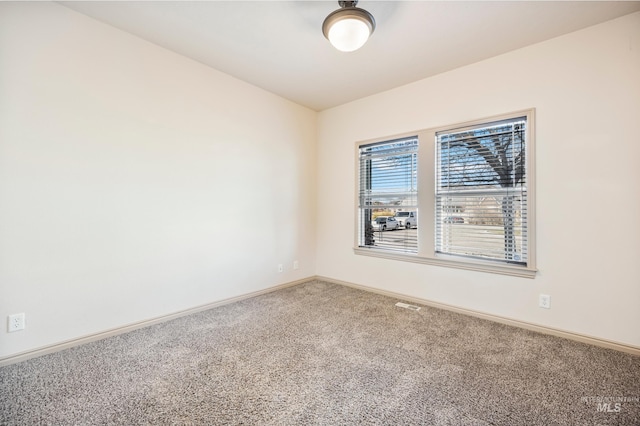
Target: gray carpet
[324,354]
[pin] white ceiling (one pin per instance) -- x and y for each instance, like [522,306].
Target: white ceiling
[279,46]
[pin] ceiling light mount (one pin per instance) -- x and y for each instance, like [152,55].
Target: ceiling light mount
[349,27]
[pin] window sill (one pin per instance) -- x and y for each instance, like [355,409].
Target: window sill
[446,261]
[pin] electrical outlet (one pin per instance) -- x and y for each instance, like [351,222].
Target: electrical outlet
[295,264]
[544,301]
[280,268]
[16,322]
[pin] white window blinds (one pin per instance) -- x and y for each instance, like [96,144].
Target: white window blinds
[481,192]
[388,185]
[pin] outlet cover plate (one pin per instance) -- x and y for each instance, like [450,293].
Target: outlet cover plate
[16,322]
[545,301]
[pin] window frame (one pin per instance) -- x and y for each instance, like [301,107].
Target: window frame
[427,164]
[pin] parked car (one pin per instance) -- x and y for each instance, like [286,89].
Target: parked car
[385,223]
[407,219]
[454,219]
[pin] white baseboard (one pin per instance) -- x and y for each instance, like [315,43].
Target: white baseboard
[23,356]
[596,341]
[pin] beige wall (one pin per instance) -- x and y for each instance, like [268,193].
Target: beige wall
[585,87]
[136,183]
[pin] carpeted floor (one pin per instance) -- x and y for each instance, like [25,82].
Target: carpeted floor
[325,354]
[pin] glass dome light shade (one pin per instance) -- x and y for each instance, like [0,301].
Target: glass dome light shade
[349,28]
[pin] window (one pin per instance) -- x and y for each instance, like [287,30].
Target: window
[388,195]
[473,186]
[481,191]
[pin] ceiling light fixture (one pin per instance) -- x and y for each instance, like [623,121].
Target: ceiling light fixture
[349,27]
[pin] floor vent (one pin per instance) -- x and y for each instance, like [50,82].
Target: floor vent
[407,306]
